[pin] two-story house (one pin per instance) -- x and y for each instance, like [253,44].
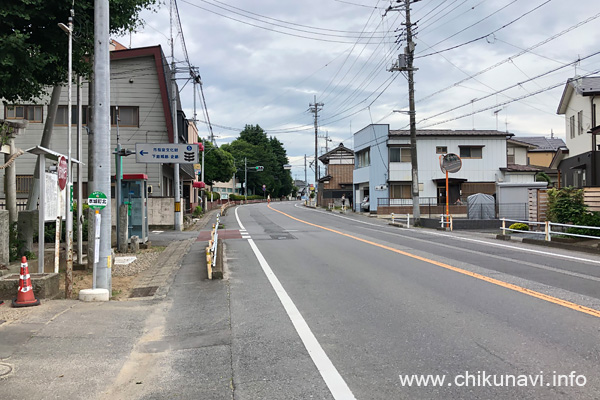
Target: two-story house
[140,93]
[337,181]
[383,165]
[579,167]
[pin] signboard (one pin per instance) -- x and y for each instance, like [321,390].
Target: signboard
[450,162]
[54,199]
[166,153]
[62,172]
[264,188]
[97,200]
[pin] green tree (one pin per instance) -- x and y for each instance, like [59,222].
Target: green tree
[218,164]
[33,49]
[240,150]
[565,205]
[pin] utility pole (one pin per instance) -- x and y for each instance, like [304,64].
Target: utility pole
[177,204]
[245,180]
[315,108]
[101,138]
[405,63]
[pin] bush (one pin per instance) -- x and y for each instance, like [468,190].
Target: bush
[215,196]
[519,226]
[587,219]
[565,205]
[197,211]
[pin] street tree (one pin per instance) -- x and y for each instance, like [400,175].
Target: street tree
[218,164]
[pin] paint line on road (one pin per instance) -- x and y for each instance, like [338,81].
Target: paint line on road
[337,386]
[529,292]
[502,245]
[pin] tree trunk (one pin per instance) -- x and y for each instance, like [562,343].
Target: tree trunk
[34,194]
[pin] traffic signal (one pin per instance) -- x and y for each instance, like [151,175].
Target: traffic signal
[259,168]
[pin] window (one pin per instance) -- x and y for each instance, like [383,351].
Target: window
[471,151]
[401,191]
[572,126]
[62,115]
[127,116]
[580,123]
[363,158]
[30,113]
[400,154]
[441,150]
[24,183]
[510,155]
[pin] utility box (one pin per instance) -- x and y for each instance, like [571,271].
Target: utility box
[134,193]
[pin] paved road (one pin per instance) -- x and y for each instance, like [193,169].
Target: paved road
[382,302]
[318,305]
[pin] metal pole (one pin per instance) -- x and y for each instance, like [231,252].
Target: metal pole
[245,180]
[79,182]
[118,180]
[177,223]
[101,136]
[447,199]
[41,213]
[69,193]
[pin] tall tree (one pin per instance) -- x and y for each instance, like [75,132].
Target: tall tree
[33,49]
[218,164]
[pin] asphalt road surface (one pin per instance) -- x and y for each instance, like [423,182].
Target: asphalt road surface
[325,306]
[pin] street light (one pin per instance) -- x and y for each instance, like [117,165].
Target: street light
[69,203]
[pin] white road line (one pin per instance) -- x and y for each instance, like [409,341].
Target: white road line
[334,381]
[506,246]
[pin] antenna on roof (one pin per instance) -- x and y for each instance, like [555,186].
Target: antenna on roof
[551,133]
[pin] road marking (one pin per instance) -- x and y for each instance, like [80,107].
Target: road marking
[529,292]
[334,381]
[543,267]
[506,246]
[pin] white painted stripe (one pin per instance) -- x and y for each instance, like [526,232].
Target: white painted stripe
[157,231]
[334,381]
[506,246]
[238,219]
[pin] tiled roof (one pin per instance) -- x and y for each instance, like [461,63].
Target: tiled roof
[590,84]
[520,168]
[542,143]
[449,132]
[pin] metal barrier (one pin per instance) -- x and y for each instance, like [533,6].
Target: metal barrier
[211,250]
[407,220]
[548,232]
[446,221]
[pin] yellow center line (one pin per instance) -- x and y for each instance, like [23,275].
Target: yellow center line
[529,292]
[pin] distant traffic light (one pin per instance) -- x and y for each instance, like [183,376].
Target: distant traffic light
[260,168]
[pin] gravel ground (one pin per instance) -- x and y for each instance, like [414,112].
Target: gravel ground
[145,260]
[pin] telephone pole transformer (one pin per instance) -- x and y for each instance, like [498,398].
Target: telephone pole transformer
[315,108]
[405,63]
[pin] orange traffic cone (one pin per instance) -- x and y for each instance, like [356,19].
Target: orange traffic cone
[25,297]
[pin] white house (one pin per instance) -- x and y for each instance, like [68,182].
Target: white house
[383,165]
[580,166]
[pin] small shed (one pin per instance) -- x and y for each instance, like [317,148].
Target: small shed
[481,206]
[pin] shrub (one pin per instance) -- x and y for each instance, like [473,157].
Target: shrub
[197,211]
[565,205]
[587,219]
[519,226]
[215,196]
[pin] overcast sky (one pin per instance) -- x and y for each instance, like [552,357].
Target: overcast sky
[263,61]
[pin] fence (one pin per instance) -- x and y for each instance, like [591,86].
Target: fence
[431,208]
[548,232]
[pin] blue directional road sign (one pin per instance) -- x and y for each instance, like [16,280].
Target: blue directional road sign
[166,153]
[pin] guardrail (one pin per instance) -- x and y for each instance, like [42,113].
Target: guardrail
[446,221]
[394,218]
[548,232]
[212,249]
